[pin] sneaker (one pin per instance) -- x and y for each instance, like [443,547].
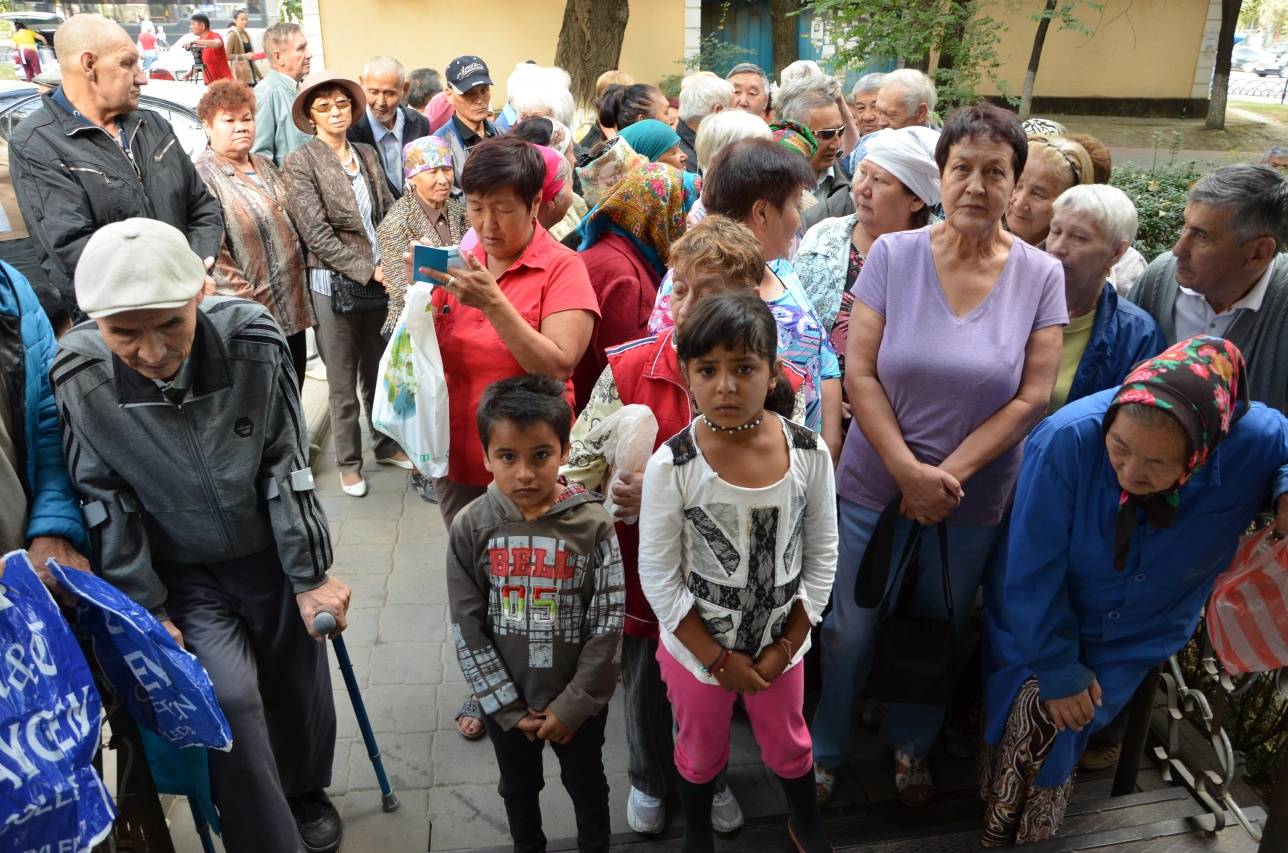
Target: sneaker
[424,486]
[318,822]
[1101,757]
[726,814]
[644,814]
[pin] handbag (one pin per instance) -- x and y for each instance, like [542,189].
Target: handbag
[914,656]
[1247,615]
[350,297]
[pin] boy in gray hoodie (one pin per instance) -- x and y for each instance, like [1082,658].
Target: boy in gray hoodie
[535,582]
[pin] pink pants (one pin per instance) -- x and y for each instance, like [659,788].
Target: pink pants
[703,713]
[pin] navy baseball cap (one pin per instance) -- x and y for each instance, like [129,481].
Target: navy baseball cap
[466,72]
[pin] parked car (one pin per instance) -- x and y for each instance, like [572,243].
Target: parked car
[176,102]
[1275,66]
[42,22]
[1245,58]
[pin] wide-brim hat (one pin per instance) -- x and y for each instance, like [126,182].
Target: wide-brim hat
[315,81]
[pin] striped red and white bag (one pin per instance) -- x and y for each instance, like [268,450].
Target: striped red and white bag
[1247,615]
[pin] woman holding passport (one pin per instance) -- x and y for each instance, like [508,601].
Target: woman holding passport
[522,304]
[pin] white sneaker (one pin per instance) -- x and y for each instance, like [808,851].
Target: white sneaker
[726,814]
[646,815]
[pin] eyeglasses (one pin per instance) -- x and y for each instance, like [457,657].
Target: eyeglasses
[325,107]
[829,133]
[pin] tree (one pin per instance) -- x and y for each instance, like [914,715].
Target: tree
[784,15]
[1035,57]
[1067,13]
[908,33]
[590,42]
[1221,72]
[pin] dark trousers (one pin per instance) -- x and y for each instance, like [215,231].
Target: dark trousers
[649,726]
[581,768]
[299,348]
[271,679]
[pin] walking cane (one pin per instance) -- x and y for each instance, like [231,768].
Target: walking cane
[324,623]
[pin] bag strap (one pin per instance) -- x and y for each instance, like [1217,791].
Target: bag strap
[910,566]
[942,530]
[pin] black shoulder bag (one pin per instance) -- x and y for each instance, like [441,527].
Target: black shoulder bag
[350,297]
[914,656]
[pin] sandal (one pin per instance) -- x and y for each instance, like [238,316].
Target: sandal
[824,783]
[912,779]
[470,711]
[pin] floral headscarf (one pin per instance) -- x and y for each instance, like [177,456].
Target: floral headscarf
[647,206]
[425,153]
[795,137]
[1199,382]
[602,174]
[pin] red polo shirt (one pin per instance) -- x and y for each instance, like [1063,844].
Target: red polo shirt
[215,60]
[546,279]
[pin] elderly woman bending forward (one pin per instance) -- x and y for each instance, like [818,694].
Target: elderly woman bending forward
[966,321]
[1130,503]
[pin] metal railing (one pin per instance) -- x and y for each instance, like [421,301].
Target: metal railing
[1262,87]
[1186,704]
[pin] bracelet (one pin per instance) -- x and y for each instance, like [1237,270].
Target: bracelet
[718,664]
[787,647]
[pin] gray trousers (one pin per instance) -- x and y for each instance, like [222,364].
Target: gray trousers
[351,346]
[271,679]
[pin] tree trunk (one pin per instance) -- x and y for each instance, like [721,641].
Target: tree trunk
[1221,72]
[951,39]
[786,33]
[1031,75]
[590,42]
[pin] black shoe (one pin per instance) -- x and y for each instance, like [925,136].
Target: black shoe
[318,821]
[424,487]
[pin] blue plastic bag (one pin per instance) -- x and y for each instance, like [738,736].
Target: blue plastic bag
[163,687]
[50,796]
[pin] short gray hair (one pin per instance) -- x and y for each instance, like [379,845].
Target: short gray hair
[724,128]
[916,85]
[749,68]
[384,65]
[797,98]
[700,94]
[1255,196]
[278,35]
[1108,207]
[867,83]
[532,88]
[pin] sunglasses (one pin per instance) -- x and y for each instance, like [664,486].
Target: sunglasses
[325,107]
[829,133]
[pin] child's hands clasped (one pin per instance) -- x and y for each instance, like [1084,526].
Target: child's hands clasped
[772,661]
[544,725]
[740,675]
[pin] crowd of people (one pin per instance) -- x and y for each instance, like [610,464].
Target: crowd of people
[899,364]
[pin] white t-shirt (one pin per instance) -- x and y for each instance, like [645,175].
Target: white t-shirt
[741,556]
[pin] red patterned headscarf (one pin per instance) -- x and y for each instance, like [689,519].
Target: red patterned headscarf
[1199,382]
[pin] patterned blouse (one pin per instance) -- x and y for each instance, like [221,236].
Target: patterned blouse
[406,221]
[261,258]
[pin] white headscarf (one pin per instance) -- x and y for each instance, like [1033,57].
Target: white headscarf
[908,153]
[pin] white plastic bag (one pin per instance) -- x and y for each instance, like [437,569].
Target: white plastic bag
[411,402]
[626,438]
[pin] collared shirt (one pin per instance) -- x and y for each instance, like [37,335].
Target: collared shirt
[437,217]
[122,138]
[1193,315]
[468,137]
[546,279]
[389,144]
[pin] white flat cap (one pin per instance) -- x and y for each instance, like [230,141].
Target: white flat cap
[135,264]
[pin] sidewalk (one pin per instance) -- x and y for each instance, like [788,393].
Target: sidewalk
[389,546]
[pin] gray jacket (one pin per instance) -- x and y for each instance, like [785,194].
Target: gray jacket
[223,474]
[72,178]
[833,196]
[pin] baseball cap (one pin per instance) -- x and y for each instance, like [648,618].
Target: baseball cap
[466,72]
[135,264]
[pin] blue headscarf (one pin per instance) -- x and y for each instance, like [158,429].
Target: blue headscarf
[650,137]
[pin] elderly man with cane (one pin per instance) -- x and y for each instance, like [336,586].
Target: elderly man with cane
[185,441]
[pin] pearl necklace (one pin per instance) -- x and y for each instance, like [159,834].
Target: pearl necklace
[717,428]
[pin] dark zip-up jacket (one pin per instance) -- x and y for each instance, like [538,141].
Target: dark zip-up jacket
[72,178]
[221,475]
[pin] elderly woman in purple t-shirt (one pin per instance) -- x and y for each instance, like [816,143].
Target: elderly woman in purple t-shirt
[952,354]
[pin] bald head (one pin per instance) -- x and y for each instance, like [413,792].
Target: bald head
[88,33]
[384,66]
[100,67]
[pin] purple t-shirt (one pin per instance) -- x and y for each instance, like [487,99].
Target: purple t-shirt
[945,375]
